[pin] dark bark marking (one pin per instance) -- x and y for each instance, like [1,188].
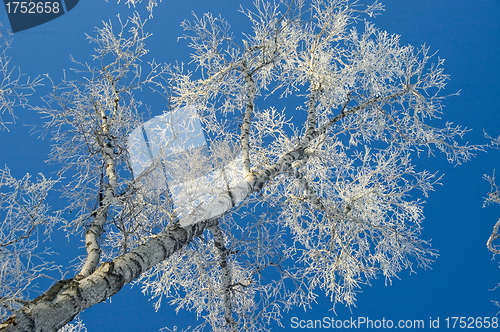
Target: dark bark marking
[163,248]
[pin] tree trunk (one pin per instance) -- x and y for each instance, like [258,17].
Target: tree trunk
[63,301]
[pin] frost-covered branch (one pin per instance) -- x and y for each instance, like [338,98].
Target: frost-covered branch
[25,218]
[90,124]
[14,87]
[151,4]
[493,197]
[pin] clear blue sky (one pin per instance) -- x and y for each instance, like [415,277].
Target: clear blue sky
[467,35]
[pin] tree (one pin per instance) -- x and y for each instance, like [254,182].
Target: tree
[493,197]
[325,204]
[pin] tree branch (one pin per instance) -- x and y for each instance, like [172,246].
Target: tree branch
[226,275]
[63,301]
[245,127]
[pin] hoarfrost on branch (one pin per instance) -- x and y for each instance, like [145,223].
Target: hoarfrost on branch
[323,112]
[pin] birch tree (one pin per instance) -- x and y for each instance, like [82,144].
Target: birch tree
[320,113]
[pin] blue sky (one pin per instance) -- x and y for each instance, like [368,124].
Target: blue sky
[467,35]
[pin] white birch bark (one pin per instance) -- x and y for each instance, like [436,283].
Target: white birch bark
[60,304]
[226,276]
